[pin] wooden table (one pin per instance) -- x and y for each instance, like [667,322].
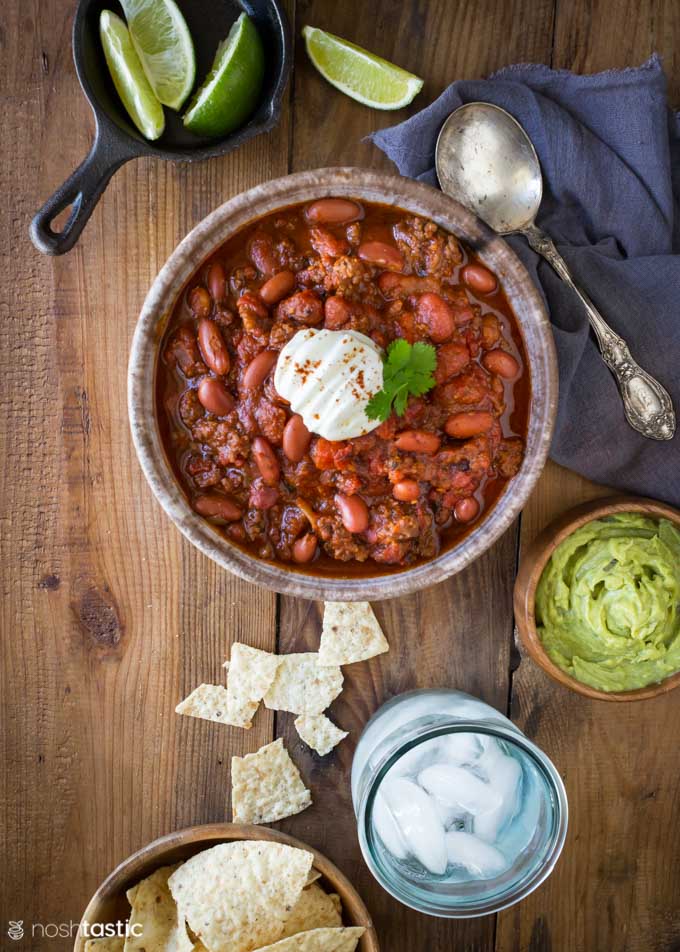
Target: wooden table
[109,617]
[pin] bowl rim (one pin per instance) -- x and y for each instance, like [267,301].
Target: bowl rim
[367,185]
[535,559]
[139,864]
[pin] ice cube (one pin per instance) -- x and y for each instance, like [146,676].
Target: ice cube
[419,825]
[504,775]
[410,763]
[480,859]
[387,829]
[459,788]
[462,748]
[451,815]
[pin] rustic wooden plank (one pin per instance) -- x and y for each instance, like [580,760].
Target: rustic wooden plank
[617,883]
[458,634]
[109,617]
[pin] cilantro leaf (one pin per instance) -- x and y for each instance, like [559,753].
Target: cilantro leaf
[408,371]
[378,407]
[423,358]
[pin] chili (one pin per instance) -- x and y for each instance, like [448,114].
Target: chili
[395,496]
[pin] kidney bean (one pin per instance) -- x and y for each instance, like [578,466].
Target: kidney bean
[217,282]
[261,253]
[258,368]
[200,302]
[437,315]
[466,509]
[304,548]
[277,287]
[237,532]
[266,461]
[451,359]
[216,506]
[479,279]
[213,349]
[333,211]
[296,438]
[500,362]
[406,490]
[262,496]
[417,441]
[353,512]
[215,397]
[462,425]
[337,311]
[183,350]
[382,254]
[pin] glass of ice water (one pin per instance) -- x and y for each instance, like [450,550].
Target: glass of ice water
[459,814]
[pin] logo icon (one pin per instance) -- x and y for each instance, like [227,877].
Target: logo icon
[16,929]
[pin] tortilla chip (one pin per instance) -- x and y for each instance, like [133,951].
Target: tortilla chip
[319,733]
[342,939]
[313,910]
[350,633]
[302,686]
[251,673]
[267,786]
[208,701]
[154,910]
[337,902]
[114,943]
[314,874]
[237,896]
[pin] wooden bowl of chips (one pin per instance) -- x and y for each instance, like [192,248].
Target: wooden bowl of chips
[110,904]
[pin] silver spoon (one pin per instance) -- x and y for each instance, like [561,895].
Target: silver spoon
[486,160]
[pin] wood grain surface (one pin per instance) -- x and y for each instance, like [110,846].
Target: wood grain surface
[109,617]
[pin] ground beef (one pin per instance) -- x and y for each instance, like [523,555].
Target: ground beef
[427,249]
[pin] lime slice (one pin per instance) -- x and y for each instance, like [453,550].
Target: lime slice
[128,76]
[166,50]
[365,77]
[232,88]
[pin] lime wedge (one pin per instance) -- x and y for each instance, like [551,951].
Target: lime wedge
[164,45]
[365,77]
[232,88]
[128,76]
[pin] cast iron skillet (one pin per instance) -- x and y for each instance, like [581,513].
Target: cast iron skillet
[116,138]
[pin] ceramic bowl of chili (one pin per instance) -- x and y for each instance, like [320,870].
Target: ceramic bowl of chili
[262,493]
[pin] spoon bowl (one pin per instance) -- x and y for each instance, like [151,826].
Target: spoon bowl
[485,158]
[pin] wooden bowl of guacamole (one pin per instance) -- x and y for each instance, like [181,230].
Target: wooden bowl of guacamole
[597,599]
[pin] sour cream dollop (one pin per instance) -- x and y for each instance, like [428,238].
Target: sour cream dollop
[328,377]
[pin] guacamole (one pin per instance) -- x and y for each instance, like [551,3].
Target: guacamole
[608,602]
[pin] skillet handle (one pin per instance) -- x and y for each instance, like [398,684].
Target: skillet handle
[82,191]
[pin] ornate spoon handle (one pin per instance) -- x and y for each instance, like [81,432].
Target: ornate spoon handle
[647,404]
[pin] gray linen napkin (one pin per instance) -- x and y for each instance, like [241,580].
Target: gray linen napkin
[610,152]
